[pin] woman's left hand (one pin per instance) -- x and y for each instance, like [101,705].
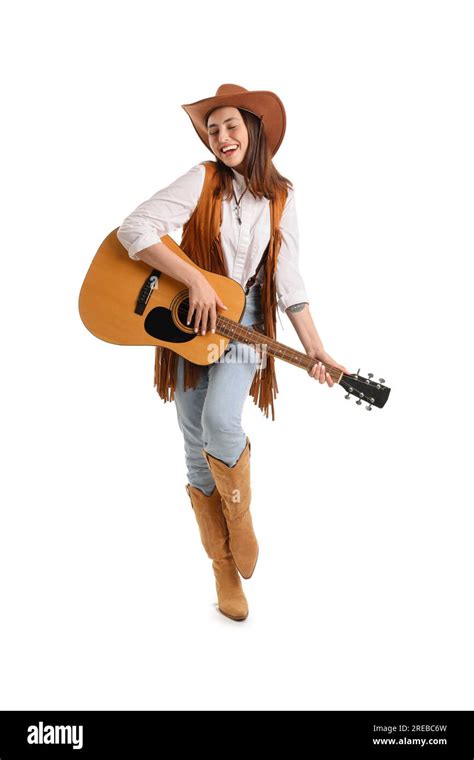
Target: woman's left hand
[318,371]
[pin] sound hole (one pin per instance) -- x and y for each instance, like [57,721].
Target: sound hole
[169,324]
[180,309]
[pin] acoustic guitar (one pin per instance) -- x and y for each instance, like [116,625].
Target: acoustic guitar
[125,302]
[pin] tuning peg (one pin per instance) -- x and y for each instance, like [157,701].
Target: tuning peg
[348,395]
[370,375]
[381,380]
[358,402]
[369,407]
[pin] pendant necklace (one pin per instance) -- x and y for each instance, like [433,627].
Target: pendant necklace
[237,208]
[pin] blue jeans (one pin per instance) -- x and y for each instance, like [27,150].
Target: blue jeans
[209,416]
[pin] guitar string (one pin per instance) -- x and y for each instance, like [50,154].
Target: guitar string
[242,331]
[239,330]
[302,360]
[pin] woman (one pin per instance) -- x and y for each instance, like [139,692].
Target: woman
[238,218]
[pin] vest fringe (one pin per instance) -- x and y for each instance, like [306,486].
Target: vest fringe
[164,377]
[203,225]
[264,386]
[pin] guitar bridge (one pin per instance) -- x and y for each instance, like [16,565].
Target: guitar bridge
[147,288]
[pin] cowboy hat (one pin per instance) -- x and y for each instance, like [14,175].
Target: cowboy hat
[264,104]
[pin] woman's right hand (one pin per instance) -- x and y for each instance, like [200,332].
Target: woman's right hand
[203,303]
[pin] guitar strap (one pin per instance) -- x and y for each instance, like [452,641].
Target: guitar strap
[252,279]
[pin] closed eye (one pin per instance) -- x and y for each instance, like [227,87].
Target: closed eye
[215,133]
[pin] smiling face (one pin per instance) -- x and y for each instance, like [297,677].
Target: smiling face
[225,128]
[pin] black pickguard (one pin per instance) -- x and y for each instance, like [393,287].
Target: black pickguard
[159,324]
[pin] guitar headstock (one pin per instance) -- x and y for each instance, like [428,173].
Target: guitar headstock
[375,393]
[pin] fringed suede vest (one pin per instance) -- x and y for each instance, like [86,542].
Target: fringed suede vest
[201,241]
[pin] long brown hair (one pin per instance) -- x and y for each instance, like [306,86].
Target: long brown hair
[261,176]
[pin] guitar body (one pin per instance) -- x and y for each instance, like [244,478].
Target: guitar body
[125,302]
[109,304]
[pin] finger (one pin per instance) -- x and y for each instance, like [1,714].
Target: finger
[322,376]
[213,318]
[205,313]
[221,304]
[190,313]
[329,380]
[197,319]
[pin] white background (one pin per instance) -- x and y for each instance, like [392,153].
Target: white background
[362,596]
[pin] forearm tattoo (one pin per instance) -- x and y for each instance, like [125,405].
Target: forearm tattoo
[297,306]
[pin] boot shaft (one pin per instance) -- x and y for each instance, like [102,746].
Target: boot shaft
[211,522]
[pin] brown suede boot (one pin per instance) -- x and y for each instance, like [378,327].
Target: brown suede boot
[215,539]
[233,484]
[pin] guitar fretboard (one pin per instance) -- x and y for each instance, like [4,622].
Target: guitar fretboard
[234,330]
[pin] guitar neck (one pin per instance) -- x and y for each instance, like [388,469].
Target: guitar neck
[234,330]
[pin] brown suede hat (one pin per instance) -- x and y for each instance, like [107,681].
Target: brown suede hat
[264,104]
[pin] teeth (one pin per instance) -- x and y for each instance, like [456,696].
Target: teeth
[228,147]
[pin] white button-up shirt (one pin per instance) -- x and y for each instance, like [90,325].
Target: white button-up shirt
[243,244]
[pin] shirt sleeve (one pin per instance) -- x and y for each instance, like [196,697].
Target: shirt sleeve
[289,282]
[166,211]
